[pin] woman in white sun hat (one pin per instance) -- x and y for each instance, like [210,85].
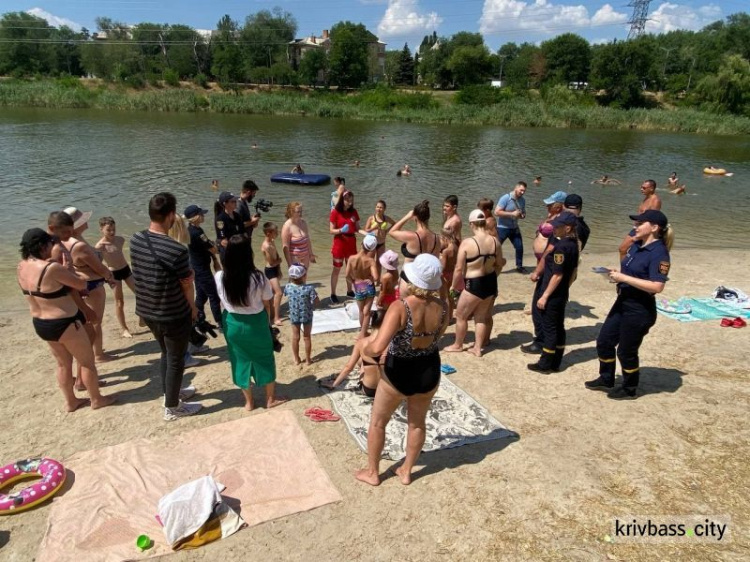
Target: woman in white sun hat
[410,331]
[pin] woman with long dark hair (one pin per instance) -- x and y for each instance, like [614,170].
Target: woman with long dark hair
[246,296]
[57,320]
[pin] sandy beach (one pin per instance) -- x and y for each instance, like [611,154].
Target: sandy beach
[581,459]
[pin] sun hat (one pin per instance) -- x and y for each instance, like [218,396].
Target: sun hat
[556,197]
[297,271]
[389,260]
[654,217]
[370,242]
[226,196]
[573,201]
[193,211]
[79,218]
[425,272]
[564,219]
[477,215]
[35,236]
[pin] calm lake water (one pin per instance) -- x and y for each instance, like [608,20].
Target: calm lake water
[112,163]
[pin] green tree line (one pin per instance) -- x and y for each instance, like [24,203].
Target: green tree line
[708,69]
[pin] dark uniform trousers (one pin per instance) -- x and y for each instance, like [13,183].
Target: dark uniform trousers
[627,323]
[553,332]
[536,314]
[205,290]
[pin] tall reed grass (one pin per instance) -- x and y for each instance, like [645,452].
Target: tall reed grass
[377,105]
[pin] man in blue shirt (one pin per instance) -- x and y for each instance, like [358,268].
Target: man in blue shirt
[510,208]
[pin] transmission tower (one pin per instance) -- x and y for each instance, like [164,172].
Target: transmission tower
[638,20]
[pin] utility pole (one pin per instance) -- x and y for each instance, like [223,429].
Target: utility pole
[638,19]
[502,63]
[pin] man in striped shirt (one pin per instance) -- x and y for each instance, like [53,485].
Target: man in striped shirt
[165,299]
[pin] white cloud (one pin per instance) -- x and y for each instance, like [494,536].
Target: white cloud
[402,17]
[542,16]
[671,17]
[53,20]
[607,15]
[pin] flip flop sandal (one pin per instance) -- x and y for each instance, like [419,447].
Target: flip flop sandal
[727,322]
[447,369]
[314,411]
[738,323]
[324,416]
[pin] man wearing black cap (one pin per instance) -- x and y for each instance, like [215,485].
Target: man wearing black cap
[202,252]
[559,273]
[249,220]
[643,274]
[574,205]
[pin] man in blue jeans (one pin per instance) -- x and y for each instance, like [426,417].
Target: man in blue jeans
[165,299]
[511,207]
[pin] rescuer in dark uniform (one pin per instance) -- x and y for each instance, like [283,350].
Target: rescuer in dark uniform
[202,252]
[227,221]
[643,273]
[559,273]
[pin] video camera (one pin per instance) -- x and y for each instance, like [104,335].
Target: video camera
[263,206]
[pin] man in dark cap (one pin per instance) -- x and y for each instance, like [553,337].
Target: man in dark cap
[574,205]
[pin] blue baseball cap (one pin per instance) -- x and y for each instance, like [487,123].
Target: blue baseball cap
[556,197]
[654,217]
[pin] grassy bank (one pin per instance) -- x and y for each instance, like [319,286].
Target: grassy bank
[369,105]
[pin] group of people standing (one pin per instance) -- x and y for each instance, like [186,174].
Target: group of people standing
[444,276]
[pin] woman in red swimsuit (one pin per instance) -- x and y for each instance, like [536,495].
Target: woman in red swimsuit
[344,225]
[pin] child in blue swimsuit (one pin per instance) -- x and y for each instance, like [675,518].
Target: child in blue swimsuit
[302,299]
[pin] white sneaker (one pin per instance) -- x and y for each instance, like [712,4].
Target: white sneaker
[183,410]
[186,393]
[191,361]
[195,350]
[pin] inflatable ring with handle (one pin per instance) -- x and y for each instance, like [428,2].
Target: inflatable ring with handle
[53,477]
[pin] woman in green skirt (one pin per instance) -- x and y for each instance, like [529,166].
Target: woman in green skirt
[246,296]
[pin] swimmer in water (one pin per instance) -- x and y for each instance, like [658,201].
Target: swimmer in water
[298,170]
[679,190]
[215,185]
[606,180]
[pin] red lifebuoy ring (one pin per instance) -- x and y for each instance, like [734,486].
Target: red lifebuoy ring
[53,477]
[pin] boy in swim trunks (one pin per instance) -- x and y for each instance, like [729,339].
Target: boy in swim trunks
[110,247]
[273,267]
[362,272]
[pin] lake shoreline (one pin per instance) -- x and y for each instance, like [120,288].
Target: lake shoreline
[512,113]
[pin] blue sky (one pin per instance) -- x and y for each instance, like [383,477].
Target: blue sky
[399,21]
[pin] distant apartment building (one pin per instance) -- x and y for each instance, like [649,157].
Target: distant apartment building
[300,47]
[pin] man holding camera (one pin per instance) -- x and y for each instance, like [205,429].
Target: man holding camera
[249,219]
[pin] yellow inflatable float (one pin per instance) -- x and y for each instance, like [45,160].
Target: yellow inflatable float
[714,171]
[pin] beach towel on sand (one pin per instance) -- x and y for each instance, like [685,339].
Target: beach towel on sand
[269,468]
[336,319]
[454,419]
[706,309]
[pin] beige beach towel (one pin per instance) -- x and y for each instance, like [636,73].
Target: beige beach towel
[265,461]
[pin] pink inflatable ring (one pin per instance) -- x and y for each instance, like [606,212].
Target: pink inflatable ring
[53,477]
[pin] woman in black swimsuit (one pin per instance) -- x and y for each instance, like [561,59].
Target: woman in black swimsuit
[420,241]
[480,261]
[56,317]
[410,332]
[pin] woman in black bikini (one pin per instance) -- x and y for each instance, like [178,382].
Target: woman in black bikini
[410,331]
[480,261]
[420,241]
[56,317]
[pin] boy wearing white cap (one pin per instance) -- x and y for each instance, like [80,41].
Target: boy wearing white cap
[362,273]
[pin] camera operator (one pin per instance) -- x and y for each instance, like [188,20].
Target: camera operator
[249,219]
